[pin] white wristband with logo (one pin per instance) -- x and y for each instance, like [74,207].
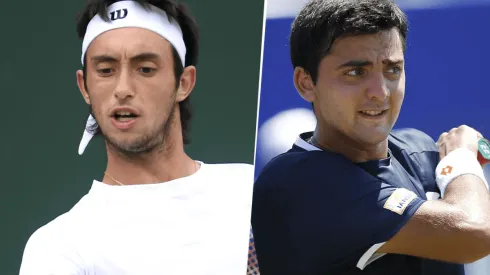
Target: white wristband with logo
[458,162]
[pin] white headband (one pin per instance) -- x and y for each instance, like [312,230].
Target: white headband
[124,14]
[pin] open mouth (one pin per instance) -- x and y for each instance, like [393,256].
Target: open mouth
[124,116]
[373,113]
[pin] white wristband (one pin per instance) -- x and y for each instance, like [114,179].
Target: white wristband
[458,162]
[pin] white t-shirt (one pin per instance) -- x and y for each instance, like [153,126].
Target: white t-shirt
[198,224]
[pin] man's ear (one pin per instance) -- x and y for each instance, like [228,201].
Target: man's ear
[187,83]
[304,84]
[81,87]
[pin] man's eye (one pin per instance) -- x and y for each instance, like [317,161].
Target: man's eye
[105,71]
[146,70]
[395,70]
[356,72]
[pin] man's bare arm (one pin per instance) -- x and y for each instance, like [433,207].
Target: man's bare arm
[457,227]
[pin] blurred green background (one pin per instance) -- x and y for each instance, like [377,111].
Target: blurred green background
[42,174]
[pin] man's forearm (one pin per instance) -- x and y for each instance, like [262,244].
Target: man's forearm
[469,194]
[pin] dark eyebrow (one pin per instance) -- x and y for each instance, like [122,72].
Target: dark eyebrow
[138,57]
[393,62]
[355,63]
[364,63]
[145,56]
[103,58]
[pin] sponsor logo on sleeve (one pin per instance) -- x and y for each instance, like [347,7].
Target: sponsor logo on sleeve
[399,200]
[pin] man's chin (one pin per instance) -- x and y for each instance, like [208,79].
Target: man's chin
[129,146]
[374,137]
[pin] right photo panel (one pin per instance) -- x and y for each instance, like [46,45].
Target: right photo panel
[373,139]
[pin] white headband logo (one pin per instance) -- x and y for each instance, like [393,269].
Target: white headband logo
[114,17]
[124,14]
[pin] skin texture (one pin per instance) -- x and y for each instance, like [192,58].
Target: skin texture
[374,80]
[456,228]
[133,68]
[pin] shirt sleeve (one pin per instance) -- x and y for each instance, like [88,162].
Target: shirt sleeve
[394,207]
[327,225]
[45,254]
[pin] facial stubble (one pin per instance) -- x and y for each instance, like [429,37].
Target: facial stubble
[156,140]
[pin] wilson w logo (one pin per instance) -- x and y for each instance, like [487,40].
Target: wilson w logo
[119,14]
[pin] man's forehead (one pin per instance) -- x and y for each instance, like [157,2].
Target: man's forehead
[372,47]
[125,40]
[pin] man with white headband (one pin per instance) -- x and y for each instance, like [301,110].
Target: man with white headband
[156,211]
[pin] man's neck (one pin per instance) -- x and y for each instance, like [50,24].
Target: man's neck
[154,167]
[337,142]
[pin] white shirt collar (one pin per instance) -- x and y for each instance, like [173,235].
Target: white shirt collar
[300,142]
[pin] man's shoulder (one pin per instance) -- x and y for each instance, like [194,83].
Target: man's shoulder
[300,169]
[298,159]
[52,247]
[237,169]
[48,243]
[239,174]
[51,231]
[412,140]
[231,165]
[57,227]
[63,227]
[48,236]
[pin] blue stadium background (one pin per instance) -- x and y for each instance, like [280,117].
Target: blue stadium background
[447,67]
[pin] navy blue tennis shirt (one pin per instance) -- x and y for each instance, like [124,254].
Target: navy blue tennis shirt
[317,212]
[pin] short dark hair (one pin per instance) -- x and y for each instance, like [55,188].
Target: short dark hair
[321,22]
[190,30]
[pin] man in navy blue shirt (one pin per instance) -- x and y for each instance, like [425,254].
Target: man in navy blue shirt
[355,196]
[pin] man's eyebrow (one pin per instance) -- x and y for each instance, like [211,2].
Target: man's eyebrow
[103,58]
[364,63]
[145,56]
[393,61]
[138,57]
[355,63]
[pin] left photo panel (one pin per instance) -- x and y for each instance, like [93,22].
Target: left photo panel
[129,147]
